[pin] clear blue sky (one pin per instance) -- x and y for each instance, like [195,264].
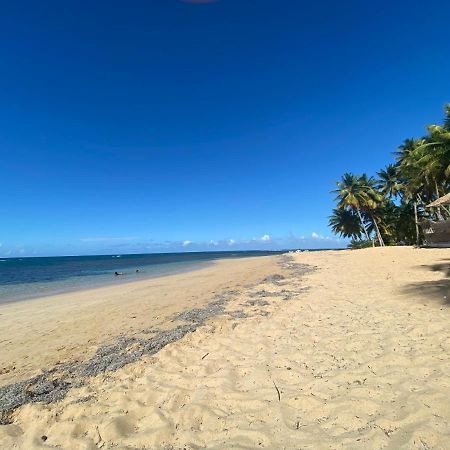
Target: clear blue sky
[141,126]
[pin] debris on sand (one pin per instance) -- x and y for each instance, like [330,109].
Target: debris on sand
[53,384]
[275,279]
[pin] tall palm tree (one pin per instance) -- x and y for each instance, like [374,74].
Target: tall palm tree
[346,223]
[405,149]
[428,162]
[391,206]
[350,196]
[374,199]
[415,184]
[389,183]
[408,162]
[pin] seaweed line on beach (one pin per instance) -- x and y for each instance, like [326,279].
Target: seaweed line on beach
[53,384]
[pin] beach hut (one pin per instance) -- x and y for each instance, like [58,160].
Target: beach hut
[437,233]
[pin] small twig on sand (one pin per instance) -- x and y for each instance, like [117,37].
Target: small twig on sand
[100,439]
[204,356]
[386,432]
[278,391]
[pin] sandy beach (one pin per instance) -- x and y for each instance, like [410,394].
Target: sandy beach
[318,350]
[39,333]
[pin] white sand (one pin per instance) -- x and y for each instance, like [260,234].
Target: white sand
[361,360]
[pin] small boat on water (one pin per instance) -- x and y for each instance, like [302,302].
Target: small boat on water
[437,233]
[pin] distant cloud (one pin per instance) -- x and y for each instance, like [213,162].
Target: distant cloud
[323,238]
[108,239]
[1,244]
[106,245]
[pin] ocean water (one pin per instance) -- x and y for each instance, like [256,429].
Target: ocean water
[24,278]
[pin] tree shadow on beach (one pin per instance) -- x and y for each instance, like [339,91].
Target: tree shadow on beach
[437,290]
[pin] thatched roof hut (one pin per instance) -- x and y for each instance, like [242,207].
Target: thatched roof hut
[441,201]
[437,234]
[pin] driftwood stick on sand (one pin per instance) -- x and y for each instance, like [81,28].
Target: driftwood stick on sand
[278,391]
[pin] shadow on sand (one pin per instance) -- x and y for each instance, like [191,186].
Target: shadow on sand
[437,290]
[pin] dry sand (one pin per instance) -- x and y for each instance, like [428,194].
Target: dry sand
[354,355]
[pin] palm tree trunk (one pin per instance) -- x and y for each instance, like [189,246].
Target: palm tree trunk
[364,226]
[380,239]
[419,197]
[417,224]
[439,214]
[437,189]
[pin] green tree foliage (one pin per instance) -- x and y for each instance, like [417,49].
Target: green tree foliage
[346,223]
[383,210]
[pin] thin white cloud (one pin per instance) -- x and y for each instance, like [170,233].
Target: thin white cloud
[186,243]
[212,242]
[265,238]
[108,239]
[231,242]
[319,237]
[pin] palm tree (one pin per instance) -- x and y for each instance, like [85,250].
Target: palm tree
[391,206]
[373,200]
[427,162]
[407,222]
[350,196]
[359,194]
[389,183]
[345,223]
[405,149]
[408,167]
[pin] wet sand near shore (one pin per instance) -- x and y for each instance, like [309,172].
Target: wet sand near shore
[320,350]
[37,334]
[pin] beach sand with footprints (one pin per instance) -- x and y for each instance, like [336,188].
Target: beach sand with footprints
[318,350]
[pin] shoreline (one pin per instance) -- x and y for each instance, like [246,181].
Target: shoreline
[37,277]
[54,384]
[318,350]
[38,333]
[114,281]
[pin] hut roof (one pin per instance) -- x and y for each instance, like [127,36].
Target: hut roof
[445,200]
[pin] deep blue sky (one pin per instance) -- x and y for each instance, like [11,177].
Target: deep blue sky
[137,126]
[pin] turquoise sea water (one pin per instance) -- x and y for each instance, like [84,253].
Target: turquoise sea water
[23,278]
